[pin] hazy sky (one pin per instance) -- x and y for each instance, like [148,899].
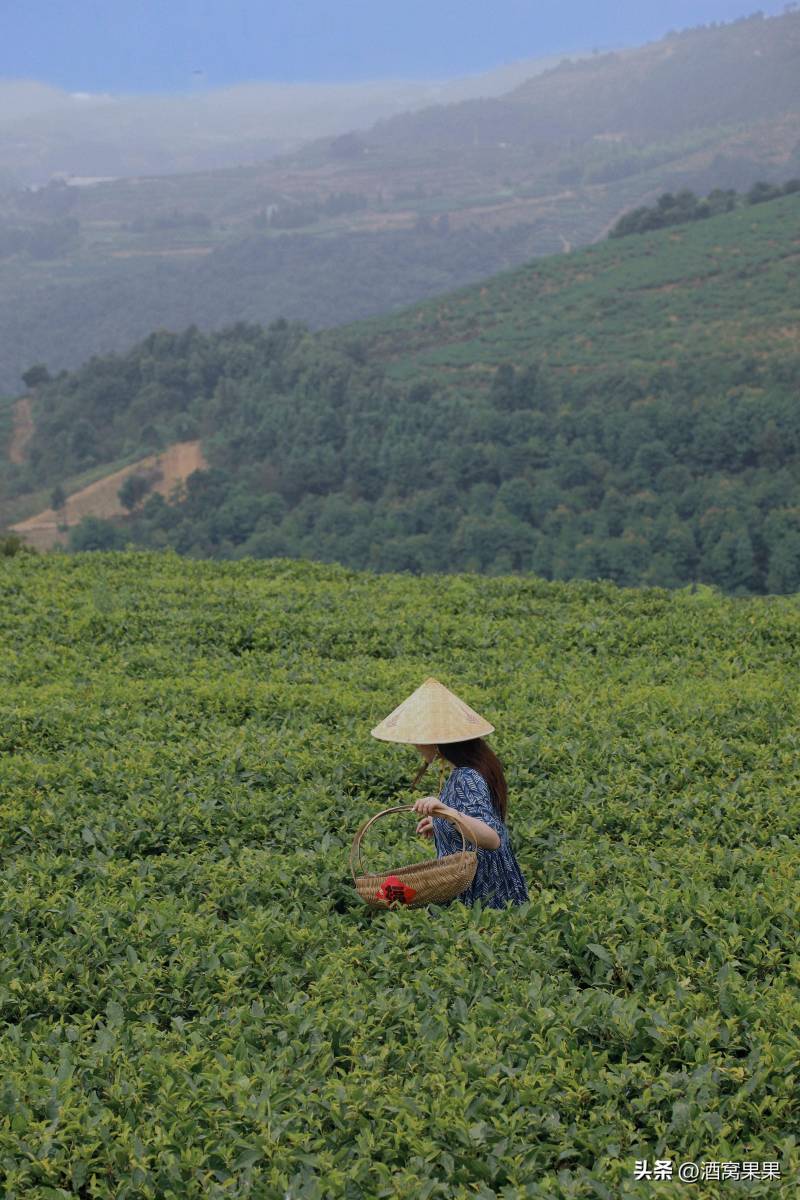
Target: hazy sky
[180,45]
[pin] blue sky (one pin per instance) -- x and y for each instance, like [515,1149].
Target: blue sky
[180,45]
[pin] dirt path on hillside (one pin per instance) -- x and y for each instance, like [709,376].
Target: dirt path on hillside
[101,499]
[23,430]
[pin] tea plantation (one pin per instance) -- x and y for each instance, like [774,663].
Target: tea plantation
[196,1003]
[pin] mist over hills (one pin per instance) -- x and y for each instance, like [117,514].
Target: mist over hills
[702,77]
[366,222]
[46,131]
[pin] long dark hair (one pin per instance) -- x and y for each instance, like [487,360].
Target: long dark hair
[476,754]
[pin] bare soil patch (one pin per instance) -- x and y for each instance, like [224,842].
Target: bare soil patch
[101,499]
[23,430]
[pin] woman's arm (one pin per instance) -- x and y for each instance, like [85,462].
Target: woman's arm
[482,834]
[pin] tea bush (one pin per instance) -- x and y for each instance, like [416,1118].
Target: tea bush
[196,1003]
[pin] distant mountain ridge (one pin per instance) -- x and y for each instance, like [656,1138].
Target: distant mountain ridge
[716,72]
[744,70]
[366,222]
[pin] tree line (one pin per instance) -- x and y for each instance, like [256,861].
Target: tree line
[315,454]
[679,207]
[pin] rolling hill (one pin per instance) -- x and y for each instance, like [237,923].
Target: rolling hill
[627,411]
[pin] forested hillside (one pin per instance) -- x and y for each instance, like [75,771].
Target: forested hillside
[372,220]
[628,412]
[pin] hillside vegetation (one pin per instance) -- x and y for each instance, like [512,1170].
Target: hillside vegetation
[626,412]
[195,1002]
[372,220]
[684,206]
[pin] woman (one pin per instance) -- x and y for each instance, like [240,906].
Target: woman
[443,727]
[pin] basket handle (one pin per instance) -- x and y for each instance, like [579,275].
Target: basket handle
[448,814]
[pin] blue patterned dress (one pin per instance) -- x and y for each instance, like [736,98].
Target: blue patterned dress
[498,878]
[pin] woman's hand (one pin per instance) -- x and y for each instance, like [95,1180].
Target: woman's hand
[425,827]
[426,805]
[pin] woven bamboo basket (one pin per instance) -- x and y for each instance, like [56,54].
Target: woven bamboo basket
[435,880]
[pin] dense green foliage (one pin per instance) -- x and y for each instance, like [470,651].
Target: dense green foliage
[11,544]
[686,206]
[626,412]
[195,1002]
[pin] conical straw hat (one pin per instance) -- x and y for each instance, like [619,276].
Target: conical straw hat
[432,714]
